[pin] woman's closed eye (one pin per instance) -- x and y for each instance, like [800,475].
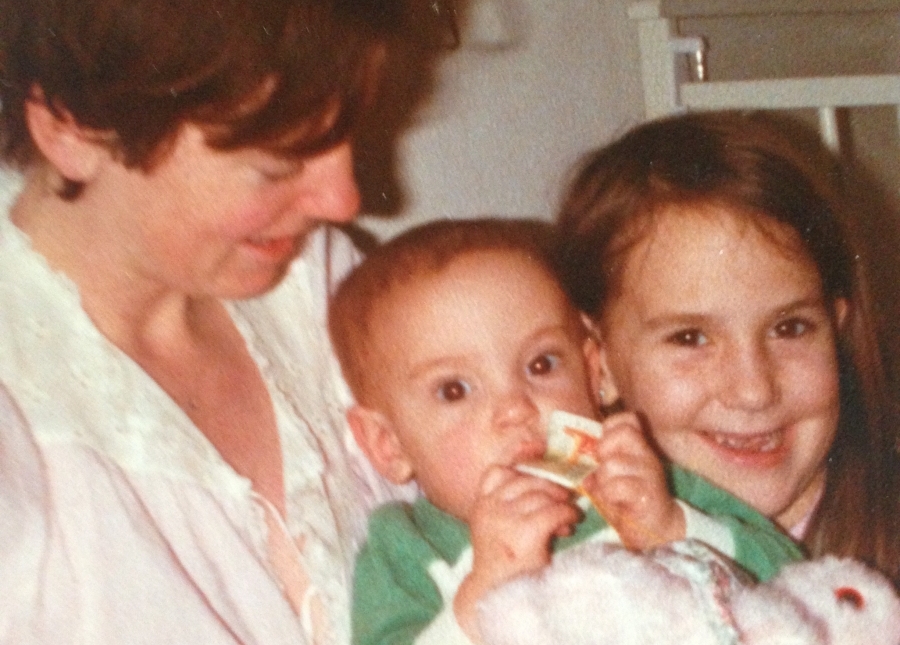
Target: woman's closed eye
[276,170]
[688,338]
[453,390]
[543,364]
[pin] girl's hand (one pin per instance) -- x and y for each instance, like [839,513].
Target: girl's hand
[630,488]
[512,524]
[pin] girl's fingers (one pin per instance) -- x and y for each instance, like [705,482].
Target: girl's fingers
[629,490]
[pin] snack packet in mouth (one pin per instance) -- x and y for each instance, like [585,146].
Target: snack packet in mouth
[569,455]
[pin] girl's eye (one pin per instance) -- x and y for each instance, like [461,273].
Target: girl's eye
[688,338]
[792,328]
[543,364]
[452,391]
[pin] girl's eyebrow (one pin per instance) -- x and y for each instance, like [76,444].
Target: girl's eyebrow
[692,319]
[676,319]
[816,302]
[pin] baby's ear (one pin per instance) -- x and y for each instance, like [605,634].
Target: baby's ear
[603,387]
[377,439]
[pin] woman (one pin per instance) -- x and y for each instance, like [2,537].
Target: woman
[175,468]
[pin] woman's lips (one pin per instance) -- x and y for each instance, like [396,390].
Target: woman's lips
[276,248]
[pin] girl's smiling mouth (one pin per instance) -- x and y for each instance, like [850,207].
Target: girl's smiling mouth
[758,449]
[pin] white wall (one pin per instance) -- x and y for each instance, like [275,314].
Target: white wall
[535,84]
[506,124]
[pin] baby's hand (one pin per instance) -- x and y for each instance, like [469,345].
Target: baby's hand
[630,486]
[512,524]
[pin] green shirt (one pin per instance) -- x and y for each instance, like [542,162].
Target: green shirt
[416,556]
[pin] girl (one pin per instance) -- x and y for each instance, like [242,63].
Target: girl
[713,256]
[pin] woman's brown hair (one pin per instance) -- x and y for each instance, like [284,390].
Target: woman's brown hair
[771,170]
[286,75]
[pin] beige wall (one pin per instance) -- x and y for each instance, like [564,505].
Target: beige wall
[508,120]
[816,45]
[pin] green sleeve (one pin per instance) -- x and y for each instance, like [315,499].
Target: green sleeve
[761,548]
[394,598]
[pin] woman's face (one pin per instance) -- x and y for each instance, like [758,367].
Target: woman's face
[722,339]
[225,223]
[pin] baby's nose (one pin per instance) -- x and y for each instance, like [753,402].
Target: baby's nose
[516,407]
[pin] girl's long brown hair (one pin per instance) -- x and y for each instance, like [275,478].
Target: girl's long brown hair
[767,168]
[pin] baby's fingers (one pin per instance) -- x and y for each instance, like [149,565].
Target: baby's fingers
[507,484]
[494,479]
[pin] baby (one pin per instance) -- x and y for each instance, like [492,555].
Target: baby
[458,343]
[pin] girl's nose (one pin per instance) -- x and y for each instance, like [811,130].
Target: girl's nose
[749,378]
[329,191]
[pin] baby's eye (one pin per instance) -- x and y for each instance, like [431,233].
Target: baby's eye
[543,364]
[688,338]
[792,328]
[451,391]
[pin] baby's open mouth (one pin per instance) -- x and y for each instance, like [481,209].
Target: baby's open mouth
[529,451]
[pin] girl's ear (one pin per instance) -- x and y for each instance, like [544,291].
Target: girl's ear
[377,439]
[74,151]
[841,309]
[603,386]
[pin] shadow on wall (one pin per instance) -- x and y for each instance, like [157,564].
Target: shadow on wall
[430,32]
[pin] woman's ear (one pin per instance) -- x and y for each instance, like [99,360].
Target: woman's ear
[377,439]
[603,386]
[74,151]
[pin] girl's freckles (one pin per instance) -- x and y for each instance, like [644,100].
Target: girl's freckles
[696,342]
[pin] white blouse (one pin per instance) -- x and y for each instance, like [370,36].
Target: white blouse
[119,521]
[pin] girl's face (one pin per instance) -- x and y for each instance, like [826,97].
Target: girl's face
[721,337]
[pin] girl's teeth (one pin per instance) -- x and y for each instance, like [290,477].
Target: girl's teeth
[757,442]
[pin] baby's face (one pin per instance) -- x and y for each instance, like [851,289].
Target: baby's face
[472,360]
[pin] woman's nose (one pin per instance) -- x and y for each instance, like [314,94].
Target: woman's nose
[749,377]
[329,191]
